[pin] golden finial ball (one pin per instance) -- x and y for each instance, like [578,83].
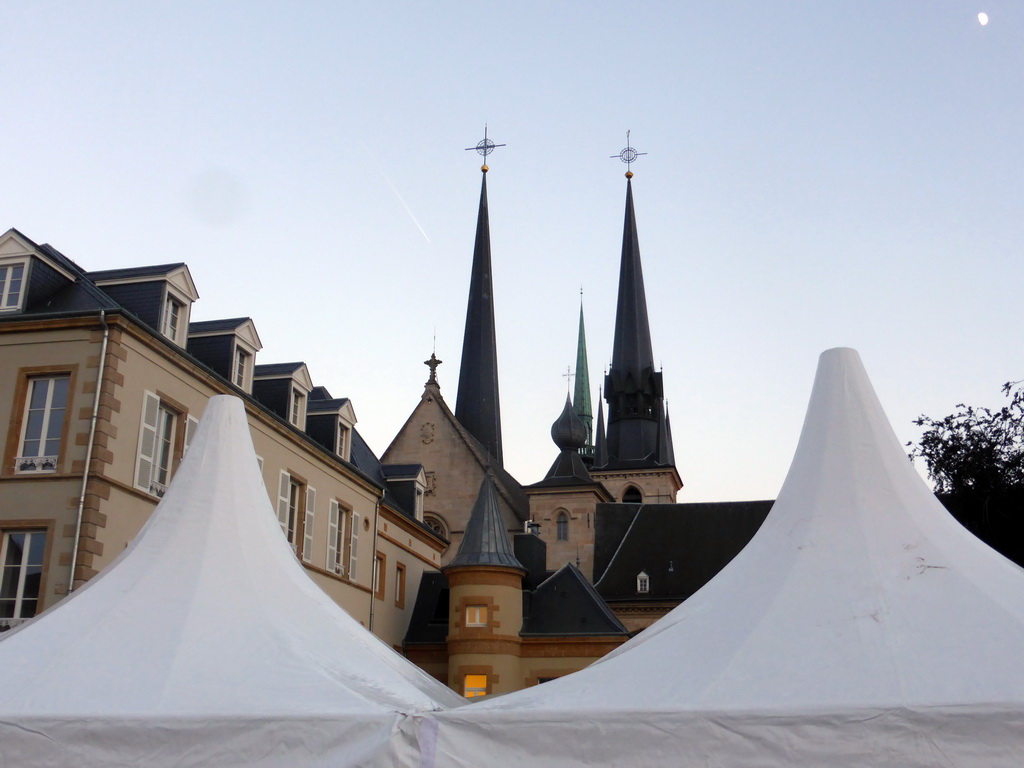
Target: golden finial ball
[484,168]
[629,174]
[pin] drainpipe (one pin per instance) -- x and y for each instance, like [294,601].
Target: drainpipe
[89,447]
[376,512]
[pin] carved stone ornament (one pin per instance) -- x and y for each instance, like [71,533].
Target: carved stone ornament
[427,433]
[431,482]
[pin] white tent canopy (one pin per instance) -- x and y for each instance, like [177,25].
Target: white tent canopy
[862,625]
[205,643]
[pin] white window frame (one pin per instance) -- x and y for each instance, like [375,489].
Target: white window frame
[643,583]
[353,544]
[172,317]
[295,407]
[344,440]
[154,467]
[241,367]
[43,460]
[308,523]
[23,570]
[339,529]
[7,279]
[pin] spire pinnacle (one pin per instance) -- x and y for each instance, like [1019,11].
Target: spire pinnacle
[484,147]
[477,404]
[628,155]
[581,394]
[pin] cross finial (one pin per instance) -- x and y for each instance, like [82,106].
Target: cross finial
[484,147]
[432,364]
[568,377]
[628,155]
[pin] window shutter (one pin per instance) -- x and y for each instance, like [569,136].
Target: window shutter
[307,525]
[353,541]
[283,489]
[147,441]
[191,423]
[332,538]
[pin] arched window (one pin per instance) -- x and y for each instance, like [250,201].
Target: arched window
[562,526]
[632,495]
[436,524]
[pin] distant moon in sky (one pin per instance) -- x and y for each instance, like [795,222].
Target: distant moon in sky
[983,18]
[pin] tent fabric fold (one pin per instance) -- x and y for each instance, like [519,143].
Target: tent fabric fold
[205,642]
[862,625]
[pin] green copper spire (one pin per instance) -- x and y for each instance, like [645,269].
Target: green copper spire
[581,395]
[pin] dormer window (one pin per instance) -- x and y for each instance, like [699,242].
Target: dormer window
[295,412]
[173,310]
[643,583]
[344,448]
[241,367]
[12,278]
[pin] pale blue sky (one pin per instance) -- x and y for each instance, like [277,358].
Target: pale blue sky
[818,174]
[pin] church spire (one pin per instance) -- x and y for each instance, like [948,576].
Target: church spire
[476,405]
[633,389]
[581,394]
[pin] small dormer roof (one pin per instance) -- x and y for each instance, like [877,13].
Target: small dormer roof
[242,328]
[297,371]
[176,274]
[338,406]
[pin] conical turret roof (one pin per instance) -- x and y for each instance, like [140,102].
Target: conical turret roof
[486,542]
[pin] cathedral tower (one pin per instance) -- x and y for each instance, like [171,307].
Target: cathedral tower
[476,405]
[640,463]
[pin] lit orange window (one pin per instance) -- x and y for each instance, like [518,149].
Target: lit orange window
[475,685]
[476,615]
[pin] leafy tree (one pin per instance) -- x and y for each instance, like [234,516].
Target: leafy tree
[975,450]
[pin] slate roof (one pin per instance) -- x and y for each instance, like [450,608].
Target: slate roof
[154,270]
[276,369]
[213,326]
[400,471]
[331,405]
[319,393]
[429,621]
[679,546]
[486,541]
[566,604]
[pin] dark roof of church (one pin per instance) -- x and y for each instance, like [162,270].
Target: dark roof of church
[679,546]
[486,541]
[566,604]
[477,406]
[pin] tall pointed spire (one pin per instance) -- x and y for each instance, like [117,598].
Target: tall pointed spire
[633,389]
[600,447]
[477,406]
[581,394]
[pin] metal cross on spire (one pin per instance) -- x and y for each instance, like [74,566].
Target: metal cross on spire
[628,155]
[568,376]
[484,147]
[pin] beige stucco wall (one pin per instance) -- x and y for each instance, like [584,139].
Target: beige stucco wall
[116,510]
